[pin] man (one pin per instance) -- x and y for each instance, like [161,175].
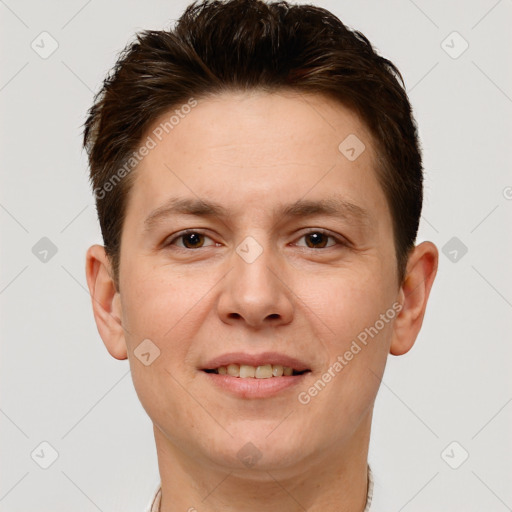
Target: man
[258,181]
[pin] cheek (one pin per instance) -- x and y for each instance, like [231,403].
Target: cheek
[159,393]
[169,310]
[156,303]
[357,342]
[348,303]
[363,322]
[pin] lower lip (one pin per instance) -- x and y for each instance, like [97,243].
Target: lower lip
[252,387]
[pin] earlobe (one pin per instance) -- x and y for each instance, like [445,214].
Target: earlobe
[106,302]
[414,293]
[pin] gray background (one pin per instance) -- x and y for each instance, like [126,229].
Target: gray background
[58,383]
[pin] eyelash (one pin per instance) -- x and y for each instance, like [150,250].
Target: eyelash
[339,241]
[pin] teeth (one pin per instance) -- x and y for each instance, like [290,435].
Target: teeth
[264,372]
[233,370]
[287,370]
[277,370]
[245,371]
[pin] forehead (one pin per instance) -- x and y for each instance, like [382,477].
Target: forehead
[231,123]
[257,146]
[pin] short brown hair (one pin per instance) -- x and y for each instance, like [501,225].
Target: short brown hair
[239,45]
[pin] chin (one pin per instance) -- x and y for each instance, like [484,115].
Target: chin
[254,448]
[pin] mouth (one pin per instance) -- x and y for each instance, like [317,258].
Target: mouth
[251,376]
[265,371]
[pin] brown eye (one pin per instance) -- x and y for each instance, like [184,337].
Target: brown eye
[316,239]
[319,240]
[190,240]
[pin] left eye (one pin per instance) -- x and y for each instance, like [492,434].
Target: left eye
[318,240]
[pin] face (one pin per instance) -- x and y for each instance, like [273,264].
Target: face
[295,259]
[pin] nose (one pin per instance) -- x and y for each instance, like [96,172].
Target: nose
[255,294]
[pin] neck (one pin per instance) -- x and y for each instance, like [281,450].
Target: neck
[335,480]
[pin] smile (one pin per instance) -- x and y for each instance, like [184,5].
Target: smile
[266,371]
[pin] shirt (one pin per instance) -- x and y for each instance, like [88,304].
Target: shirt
[154,504]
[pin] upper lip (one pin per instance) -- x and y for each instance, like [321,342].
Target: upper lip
[274,358]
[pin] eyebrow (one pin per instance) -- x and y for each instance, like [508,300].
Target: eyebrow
[332,206]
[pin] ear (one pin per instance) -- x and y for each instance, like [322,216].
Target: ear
[106,303]
[413,295]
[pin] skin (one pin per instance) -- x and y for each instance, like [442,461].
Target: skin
[253,152]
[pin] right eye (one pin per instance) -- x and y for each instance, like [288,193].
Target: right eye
[192,239]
